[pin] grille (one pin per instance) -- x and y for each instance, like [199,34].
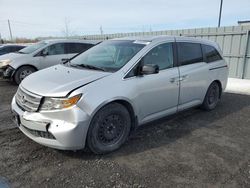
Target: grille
[42,134]
[27,101]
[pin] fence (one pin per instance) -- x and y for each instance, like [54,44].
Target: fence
[234,42]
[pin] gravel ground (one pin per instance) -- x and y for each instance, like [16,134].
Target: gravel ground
[192,149]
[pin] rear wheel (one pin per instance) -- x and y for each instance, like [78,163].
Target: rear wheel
[212,97]
[109,128]
[22,73]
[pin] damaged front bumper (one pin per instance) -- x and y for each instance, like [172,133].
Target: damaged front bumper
[7,72]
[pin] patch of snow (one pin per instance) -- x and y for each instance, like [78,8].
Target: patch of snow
[239,86]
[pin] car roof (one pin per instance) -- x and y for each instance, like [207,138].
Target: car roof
[167,37]
[148,38]
[198,40]
[21,45]
[72,40]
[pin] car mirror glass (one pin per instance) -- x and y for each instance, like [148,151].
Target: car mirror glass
[149,69]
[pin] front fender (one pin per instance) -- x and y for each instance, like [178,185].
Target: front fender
[104,103]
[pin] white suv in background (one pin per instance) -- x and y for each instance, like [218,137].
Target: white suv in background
[41,55]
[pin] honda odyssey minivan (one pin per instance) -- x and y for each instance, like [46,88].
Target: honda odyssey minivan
[18,65]
[97,98]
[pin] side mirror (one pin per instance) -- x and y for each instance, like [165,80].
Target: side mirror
[44,53]
[64,60]
[149,69]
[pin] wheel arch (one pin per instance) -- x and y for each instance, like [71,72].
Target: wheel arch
[131,111]
[128,105]
[13,75]
[28,65]
[25,65]
[220,85]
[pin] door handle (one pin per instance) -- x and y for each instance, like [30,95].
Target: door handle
[179,79]
[172,80]
[184,77]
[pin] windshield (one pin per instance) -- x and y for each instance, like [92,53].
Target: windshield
[32,48]
[108,56]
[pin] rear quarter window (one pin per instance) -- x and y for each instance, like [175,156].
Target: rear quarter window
[210,53]
[189,53]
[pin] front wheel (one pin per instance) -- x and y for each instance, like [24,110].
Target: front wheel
[22,73]
[212,97]
[109,128]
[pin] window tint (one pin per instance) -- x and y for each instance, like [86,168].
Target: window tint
[189,53]
[33,48]
[12,49]
[8,49]
[3,49]
[19,48]
[56,49]
[210,53]
[77,47]
[161,55]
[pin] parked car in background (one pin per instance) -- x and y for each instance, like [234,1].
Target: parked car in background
[17,66]
[100,96]
[8,48]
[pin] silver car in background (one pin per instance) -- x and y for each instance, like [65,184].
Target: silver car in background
[9,48]
[99,97]
[41,55]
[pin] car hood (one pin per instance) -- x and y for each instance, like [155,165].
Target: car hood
[16,58]
[11,56]
[59,80]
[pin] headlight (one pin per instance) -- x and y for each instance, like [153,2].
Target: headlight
[59,103]
[5,62]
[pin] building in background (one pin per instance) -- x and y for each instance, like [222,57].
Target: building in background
[244,22]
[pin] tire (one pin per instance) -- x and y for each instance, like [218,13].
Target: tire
[212,97]
[109,129]
[22,73]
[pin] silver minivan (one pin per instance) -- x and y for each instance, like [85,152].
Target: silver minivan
[18,65]
[100,96]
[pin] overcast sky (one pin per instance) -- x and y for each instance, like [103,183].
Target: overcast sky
[34,18]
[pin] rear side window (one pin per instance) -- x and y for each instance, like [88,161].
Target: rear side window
[73,48]
[8,49]
[12,49]
[189,53]
[3,49]
[210,53]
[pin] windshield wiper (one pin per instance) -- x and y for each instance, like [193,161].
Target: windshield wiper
[88,66]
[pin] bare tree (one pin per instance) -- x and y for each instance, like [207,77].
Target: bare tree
[101,30]
[66,30]
[150,29]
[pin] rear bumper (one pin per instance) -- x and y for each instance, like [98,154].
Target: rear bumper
[65,129]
